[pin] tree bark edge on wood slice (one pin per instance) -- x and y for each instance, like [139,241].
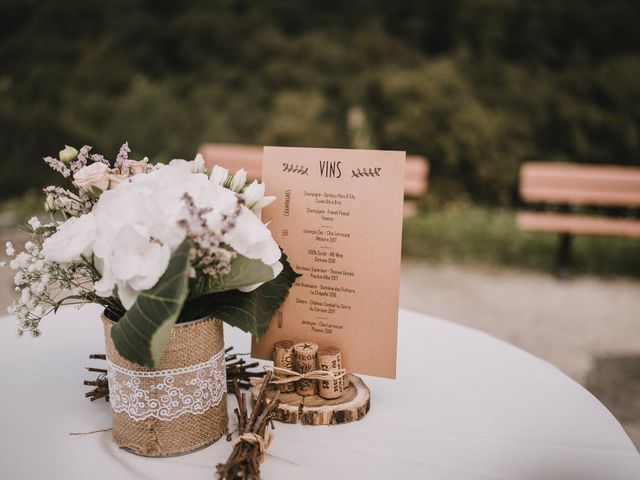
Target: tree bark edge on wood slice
[314,410]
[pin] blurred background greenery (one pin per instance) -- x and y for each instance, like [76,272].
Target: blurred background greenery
[476,86]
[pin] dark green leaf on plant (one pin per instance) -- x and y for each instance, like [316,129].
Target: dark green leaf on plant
[249,311]
[244,272]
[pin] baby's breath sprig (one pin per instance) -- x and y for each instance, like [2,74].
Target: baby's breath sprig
[43,286]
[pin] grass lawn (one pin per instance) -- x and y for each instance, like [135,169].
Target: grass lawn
[474,234]
[18,210]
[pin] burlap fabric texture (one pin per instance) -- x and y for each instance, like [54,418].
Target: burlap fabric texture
[178,407]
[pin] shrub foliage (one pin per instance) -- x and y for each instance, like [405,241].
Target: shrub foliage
[477,86]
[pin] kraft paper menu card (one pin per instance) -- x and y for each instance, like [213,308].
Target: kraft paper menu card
[338,215]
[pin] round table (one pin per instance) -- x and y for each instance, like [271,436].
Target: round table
[464,406]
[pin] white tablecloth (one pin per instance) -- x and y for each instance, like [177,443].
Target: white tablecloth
[464,406]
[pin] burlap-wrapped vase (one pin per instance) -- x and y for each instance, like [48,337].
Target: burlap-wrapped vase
[178,407]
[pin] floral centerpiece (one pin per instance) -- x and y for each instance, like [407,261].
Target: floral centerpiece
[170,251]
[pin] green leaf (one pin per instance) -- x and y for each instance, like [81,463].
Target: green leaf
[244,272]
[141,335]
[249,311]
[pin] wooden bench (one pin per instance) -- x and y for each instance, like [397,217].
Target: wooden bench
[416,177]
[571,186]
[235,157]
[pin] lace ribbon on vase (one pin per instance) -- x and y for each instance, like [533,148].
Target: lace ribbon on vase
[167,394]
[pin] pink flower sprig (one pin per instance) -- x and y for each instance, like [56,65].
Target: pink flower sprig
[123,155]
[209,256]
[81,159]
[58,166]
[72,160]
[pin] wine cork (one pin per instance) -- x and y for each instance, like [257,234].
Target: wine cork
[283,358]
[305,360]
[330,359]
[345,381]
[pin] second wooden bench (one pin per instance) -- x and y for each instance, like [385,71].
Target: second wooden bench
[571,186]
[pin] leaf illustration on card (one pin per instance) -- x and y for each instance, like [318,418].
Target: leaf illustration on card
[366,172]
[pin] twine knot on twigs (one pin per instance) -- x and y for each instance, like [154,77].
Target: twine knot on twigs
[257,440]
[284,375]
[249,447]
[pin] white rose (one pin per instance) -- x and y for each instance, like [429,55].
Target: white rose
[94,175]
[73,239]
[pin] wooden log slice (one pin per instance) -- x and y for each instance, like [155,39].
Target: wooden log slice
[315,410]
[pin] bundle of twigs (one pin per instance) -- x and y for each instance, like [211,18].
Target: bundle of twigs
[251,443]
[237,369]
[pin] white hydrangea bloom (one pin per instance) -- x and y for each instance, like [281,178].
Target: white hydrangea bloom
[133,229]
[73,239]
